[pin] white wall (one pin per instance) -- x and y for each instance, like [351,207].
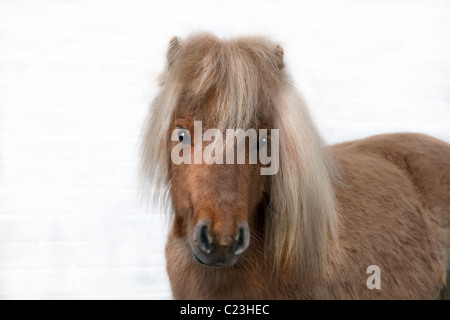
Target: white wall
[76,78]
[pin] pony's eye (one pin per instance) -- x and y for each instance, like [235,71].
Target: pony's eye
[262,142]
[184,136]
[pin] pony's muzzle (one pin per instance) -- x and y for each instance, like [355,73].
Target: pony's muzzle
[217,249]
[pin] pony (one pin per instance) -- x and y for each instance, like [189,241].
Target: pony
[318,227]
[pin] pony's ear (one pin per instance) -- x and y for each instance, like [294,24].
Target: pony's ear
[279,52]
[174,47]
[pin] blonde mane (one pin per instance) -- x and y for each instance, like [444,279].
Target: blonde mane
[247,79]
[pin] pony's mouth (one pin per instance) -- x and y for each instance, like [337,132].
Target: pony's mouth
[198,260]
[214,263]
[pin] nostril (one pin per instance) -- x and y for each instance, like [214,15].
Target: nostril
[205,245]
[242,241]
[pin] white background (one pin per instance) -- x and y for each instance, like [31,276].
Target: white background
[76,78]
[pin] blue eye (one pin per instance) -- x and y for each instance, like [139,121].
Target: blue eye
[184,137]
[262,142]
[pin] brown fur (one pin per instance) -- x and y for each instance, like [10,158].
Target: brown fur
[318,223]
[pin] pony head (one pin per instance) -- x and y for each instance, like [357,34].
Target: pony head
[221,210]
